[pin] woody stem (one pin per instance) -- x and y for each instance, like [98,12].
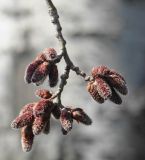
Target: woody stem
[62,42]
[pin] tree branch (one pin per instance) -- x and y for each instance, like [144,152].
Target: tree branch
[69,64]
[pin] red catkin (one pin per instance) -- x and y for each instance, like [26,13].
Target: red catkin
[66,120]
[41,72]
[27,138]
[31,69]
[23,120]
[53,75]
[80,116]
[92,89]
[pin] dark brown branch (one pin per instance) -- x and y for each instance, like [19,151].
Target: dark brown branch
[69,64]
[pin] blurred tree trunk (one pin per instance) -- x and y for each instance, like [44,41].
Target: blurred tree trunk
[15,32]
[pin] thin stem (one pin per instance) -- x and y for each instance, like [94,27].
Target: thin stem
[62,42]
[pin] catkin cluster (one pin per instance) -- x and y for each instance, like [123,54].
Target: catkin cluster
[105,85]
[43,67]
[34,118]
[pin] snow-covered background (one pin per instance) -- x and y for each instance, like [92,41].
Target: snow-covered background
[110,32]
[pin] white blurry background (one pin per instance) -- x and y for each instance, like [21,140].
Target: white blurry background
[109,32]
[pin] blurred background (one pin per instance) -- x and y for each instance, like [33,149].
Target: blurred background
[109,32]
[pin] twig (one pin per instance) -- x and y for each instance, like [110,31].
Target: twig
[69,64]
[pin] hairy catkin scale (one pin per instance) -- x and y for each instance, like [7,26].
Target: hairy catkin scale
[49,53]
[27,138]
[66,120]
[41,107]
[31,69]
[53,75]
[103,88]
[118,83]
[42,122]
[27,108]
[41,56]
[23,120]
[113,72]
[92,89]
[41,72]
[38,125]
[101,70]
[115,97]
[80,116]
[43,93]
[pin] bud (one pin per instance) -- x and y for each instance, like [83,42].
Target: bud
[27,138]
[53,75]
[92,89]
[49,53]
[31,69]
[42,107]
[66,120]
[80,116]
[23,120]
[43,93]
[40,72]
